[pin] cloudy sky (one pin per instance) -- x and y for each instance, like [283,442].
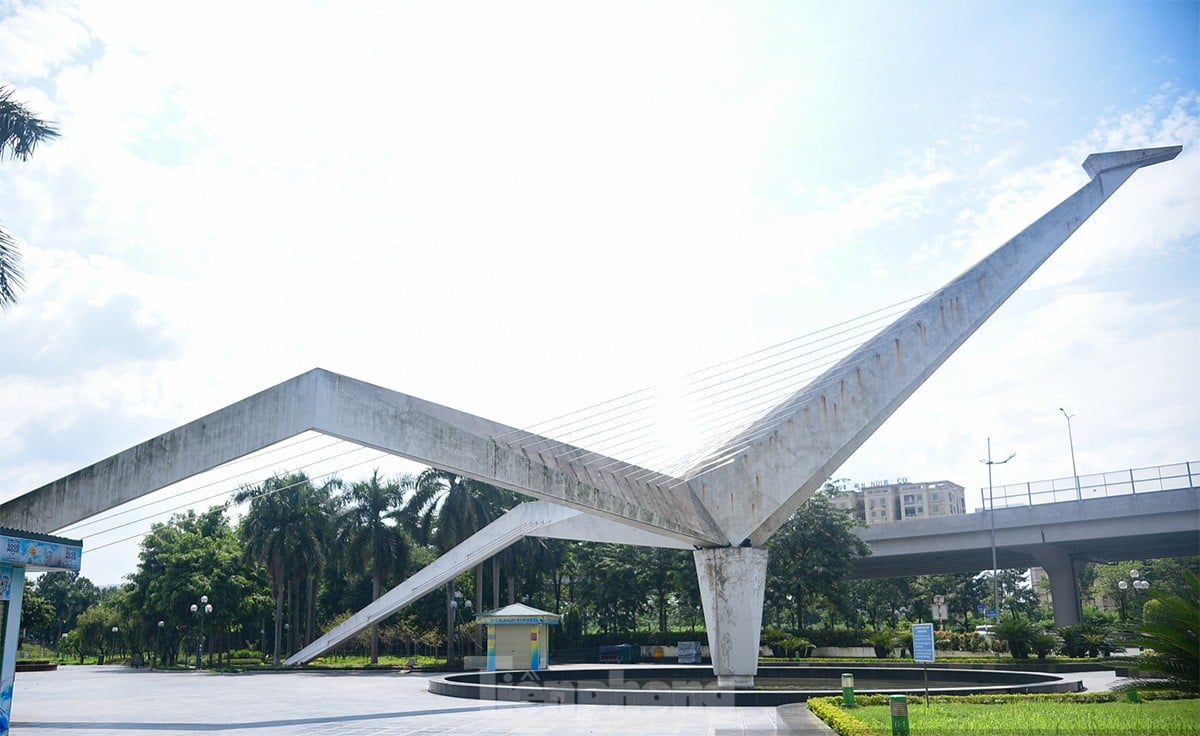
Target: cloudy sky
[519,209]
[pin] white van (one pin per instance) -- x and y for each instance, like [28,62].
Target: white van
[984,630]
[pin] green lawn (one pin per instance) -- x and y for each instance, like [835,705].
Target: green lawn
[1159,717]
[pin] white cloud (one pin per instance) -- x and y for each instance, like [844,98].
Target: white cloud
[35,41]
[517,210]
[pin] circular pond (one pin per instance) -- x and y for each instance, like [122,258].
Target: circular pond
[696,686]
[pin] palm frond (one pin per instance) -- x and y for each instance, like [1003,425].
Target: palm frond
[20,129]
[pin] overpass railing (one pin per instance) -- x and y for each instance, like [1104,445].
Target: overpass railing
[1173,477]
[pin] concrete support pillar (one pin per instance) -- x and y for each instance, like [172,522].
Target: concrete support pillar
[1063,572]
[732,583]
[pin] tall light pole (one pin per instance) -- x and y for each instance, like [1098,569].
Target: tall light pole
[114,641]
[1071,439]
[207,609]
[992,519]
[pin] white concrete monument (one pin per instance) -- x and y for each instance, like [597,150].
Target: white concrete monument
[724,507]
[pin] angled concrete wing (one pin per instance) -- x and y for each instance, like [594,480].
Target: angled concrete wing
[369,415]
[537,519]
[756,481]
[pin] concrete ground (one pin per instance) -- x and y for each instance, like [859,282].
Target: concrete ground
[106,701]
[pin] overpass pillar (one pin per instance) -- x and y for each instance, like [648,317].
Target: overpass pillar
[732,583]
[1063,571]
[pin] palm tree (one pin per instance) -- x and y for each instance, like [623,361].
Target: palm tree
[1170,639]
[283,531]
[370,536]
[445,509]
[20,132]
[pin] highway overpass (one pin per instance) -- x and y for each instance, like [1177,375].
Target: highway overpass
[1059,537]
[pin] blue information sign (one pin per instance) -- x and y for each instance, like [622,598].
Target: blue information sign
[923,642]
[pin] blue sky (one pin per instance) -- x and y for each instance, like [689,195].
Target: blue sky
[521,209]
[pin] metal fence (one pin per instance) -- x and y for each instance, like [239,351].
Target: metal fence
[1173,477]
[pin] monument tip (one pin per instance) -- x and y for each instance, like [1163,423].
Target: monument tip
[1100,162]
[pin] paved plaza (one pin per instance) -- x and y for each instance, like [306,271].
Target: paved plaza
[105,701]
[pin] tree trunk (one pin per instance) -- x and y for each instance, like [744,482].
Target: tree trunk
[278,622]
[495,582]
[478,607]
[374,627]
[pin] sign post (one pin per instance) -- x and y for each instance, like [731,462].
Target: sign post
[940,611]
[923,650]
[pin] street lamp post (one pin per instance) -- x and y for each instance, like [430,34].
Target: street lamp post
[992,519]
[1071,440]
[451,620]
[114,641]
[207,609]
[157,637]
[1138,584]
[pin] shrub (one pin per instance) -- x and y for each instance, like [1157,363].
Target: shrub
[1089,639]
[882,642]
[1170,634]
[845,724]
[1045,643]
[1017,634]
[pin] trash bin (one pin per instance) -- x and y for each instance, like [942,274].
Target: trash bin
[621,653]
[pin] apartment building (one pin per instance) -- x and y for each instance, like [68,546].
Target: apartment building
[883,501]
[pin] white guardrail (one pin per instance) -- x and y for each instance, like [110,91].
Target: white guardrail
[1174,477]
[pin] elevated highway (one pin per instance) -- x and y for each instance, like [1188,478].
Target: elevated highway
[1059,537]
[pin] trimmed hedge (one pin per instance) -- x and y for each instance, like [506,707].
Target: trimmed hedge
[841,721]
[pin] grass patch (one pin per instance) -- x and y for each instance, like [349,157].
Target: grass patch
[1012,715]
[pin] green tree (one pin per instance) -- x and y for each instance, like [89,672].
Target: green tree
[284,530]
[70,593]
[811,556]
[1165,574]
[611,586]
[20,133]
[37,613]
[445,509]
[371,536]
[94,627]
[883,601]
[191,555]
[1170,638]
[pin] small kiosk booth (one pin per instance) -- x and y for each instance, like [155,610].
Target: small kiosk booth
[21,552]
[518,637]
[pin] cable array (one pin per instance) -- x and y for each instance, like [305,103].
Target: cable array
[660,434]
[228,492]
[663,432]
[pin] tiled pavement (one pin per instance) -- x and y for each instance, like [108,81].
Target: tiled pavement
[106,701]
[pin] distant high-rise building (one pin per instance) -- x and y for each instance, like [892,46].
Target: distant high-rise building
[882,501]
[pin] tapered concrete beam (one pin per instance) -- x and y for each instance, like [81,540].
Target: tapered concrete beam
[372,416]
[753,484]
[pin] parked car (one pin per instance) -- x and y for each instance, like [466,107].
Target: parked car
[984,630]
